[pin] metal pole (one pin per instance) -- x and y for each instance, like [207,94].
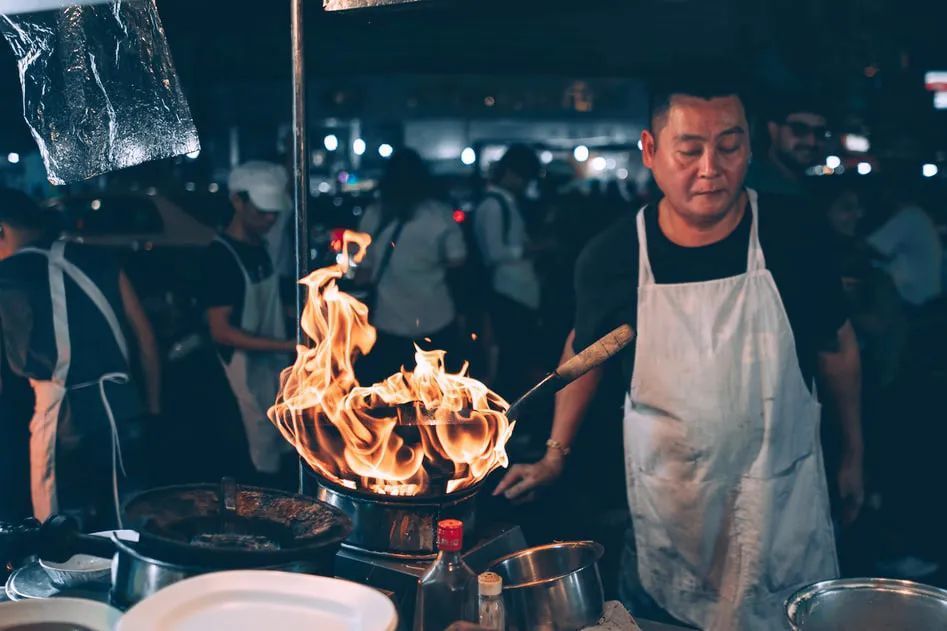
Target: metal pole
[300,171]
[300,160]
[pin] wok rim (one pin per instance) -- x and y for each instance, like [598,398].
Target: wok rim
[401,500]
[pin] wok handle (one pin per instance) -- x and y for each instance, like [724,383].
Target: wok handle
[18,540]
[596,354]
[590,357]
[60,538]
[228,496]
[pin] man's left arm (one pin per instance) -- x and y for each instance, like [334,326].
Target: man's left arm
[840,373]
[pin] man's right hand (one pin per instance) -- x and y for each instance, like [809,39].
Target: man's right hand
[522,479]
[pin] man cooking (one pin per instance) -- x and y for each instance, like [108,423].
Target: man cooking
[243,307]
[737,313]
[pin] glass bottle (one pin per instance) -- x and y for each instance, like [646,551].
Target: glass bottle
[492,611]
[447,592]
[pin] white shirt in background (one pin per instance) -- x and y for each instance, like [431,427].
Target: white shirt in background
[513,275]
[910,240]
[412,298]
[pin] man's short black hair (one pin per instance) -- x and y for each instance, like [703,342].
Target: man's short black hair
[697,82]
[521,160]
[20,211]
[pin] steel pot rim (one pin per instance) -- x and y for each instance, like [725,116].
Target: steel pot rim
[339,531]
[801,596]
[597,549]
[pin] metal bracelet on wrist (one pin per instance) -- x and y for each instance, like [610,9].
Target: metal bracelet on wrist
[555,444]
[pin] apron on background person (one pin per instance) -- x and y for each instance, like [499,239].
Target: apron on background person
[726,483]
[46,427]
[254,375]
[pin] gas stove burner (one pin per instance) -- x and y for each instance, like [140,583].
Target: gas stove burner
[395,526]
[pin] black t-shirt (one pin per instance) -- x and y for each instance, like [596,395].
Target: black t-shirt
[223,284]
[797,253]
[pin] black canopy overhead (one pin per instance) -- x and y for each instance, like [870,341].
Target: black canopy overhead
[591,37]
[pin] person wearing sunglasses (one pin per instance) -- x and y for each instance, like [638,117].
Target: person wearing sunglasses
[796,130]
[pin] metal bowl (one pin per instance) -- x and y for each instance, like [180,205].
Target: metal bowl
[555,587]
[867,604]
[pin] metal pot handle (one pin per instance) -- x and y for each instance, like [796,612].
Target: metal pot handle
[228,496]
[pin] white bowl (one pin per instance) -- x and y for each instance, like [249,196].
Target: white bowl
[80,569]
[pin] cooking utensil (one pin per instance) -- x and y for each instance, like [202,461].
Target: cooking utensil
[591,357]
[81,569]
[67,614]
[192,529]
[251,600]
[867,604]
[395,526]
[555,587]
[195,529]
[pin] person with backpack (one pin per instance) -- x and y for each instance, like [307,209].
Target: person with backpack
[504,248]
[416,244]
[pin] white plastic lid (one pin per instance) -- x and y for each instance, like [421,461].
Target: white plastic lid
[490,583]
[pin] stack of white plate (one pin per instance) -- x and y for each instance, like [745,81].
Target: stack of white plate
[253,600]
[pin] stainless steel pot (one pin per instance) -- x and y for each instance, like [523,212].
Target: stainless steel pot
[198,528]
[867,604]
[555,587]
[393,526]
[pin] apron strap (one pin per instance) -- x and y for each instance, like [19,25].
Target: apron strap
[645,276]
[755,261]
[57,293]
[243,270]
[95,295]
[59,267]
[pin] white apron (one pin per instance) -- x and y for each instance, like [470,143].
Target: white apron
[254,376]
[50,394]
[723,459]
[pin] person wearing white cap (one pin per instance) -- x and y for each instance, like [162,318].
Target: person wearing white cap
[243,307]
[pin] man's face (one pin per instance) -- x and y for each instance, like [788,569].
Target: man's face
[256,221]
[700,156]
[845,214]
[515,183]
[799,141]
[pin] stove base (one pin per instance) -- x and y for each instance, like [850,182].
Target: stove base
[399,577]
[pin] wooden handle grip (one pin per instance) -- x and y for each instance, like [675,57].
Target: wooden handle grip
[596,354]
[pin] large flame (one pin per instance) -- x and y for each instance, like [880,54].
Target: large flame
[417,432]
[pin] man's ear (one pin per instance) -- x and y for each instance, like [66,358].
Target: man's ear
[773,129]
[648,147]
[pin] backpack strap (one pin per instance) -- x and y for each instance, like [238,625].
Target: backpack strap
[505,213]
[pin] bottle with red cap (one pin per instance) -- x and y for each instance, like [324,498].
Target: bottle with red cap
[447,592]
